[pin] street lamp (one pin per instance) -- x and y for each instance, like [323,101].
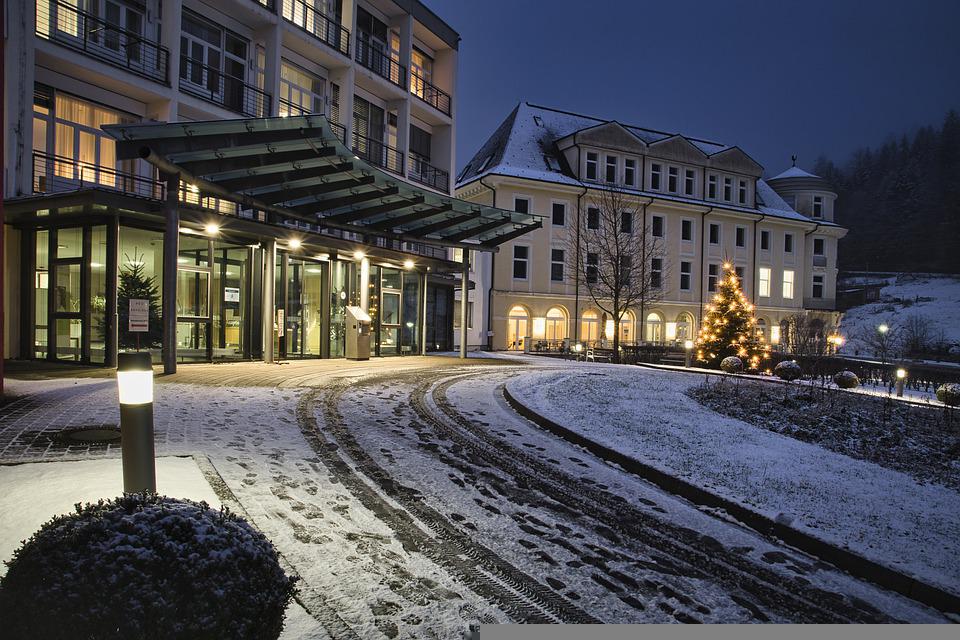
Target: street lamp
[901,378]
[688,347]
[883,328]
[135,390]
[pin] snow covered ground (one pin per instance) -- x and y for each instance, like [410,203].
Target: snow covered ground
[936,297]
[882,514]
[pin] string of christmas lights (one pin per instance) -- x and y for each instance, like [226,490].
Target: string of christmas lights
[729,327]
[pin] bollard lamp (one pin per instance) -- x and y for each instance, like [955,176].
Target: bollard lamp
[901,378]
[135,392]
[688,347]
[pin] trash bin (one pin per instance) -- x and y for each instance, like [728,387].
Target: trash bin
[358,334]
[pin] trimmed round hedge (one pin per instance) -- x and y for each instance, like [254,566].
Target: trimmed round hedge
[788,370]
[846,380]
[949,394]
[145,566]
[731,364]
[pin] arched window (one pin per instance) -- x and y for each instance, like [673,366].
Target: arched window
[556,326]
[684,327]
[517,327]
[590,326]
[762,328]
[654,331]
[627,324]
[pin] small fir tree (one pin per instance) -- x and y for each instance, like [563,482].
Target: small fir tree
[730,328]
[135,285]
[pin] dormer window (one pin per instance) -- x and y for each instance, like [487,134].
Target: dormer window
[656,173]
[630,172]
[672,177]
[593,162]
[712,187]
[688,182]
[742,191]
[611,172]
[728,189]
[817,206]
[483,165]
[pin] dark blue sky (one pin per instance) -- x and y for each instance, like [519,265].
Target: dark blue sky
[774,77]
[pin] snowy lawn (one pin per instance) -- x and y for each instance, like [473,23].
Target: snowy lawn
[885,515]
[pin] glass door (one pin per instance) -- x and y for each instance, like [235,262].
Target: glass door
[231,273]
[67,285]
[300,291]
[390,304]
[193,300]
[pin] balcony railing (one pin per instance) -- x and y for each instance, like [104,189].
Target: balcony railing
[340,131]
[437,98]
[423,172]
[377,153]
[374,58]
[214,85]
[267,4]
[54,174]
[317,24]
[288,108]
[81,31]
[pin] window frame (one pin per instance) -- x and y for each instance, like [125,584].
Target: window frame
[673,179]
[815,284]
[525,260]
[740,237]
[626,216]
[742,194]
[823,247]
[789,283]
[656,176]
[656,273]
[595,162]
[526,199]
[713,276]
[764,240]
[712,186]
[653,226]
[630,169]
[554,263]
[553,213]
[817,210]
[788,243]
[719,228]
[765,274]
[727,189]
[595,211]
[686,273]
[607,167]
[689,182]
[689,223]
[592,268]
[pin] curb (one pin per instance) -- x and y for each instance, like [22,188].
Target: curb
[847,560]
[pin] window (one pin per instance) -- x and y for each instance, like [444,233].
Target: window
[763,289]
[656,226]
[818,246]
[685,276]
[686,230]
[626,270]
[741,237]
[714,233]
[626,222]
[630,172]
[817,206]
[656,172]
[484,164]
[593,267]
[213,62]
[688,182]
[421,74]
[765,240]
[728,189]
[672,175]
[593,218]
[559,214]
[742,191]
[713,272]
[556,328]
[521,257]
[739,272]
[556,265]
[521,205]
[817,286]
[593,161]
[788,284]
[611,174]
[301,92]
[712,187]
[788,243]
[656,272]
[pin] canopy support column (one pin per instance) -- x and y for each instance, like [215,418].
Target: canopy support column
[112,331]
[171,251]
[423,313]
[269,282]
[464,295]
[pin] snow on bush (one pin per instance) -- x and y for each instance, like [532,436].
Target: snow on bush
[145,566]
[846,380]
[788,370]
[731,364]
[949,394]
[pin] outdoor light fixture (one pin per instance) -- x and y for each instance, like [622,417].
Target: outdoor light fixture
[294,243]
[212,228]
[358,255]
[135,391]
[688,347]
[408,264]
[323,256]
[901,378]
[883,328]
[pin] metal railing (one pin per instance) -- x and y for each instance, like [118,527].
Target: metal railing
[377,153]
[66,25]
[212,84]
[429,93]
[267,4]
[317,24]
[340,131]
[379,62]
[54,174]
[288,108]
[423,172]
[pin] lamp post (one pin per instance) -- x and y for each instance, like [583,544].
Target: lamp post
[688,347]
[578,348]
[901,378]
[135,387]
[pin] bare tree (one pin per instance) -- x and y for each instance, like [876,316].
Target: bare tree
[808,336]
[916,334]
[882,341]
[616,258]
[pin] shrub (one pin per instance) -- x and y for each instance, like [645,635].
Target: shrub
[788,370]
[145,566]
[731,364]
[846,380]
[949,394]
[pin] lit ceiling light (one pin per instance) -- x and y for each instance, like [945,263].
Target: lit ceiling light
[294,243]
[212,228]
[358,255]
[323,256]
[408,264]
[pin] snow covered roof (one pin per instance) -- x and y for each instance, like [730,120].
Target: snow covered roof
[794,172]
[524,146]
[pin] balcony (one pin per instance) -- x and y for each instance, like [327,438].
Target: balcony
[378,154]
[373,58]
[66,25]
[423,172]
[56,174]
[320,26]
[437,98]
[213,85]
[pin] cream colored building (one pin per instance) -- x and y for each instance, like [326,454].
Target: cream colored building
[707,201]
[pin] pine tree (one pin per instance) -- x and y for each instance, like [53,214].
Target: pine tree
[730,328]
[135,285]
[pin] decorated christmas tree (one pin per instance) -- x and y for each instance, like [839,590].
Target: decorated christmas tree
[729,328]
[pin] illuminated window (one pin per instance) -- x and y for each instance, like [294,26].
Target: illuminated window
[788,284]
[763,286]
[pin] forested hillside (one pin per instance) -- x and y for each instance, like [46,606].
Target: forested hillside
[901,202]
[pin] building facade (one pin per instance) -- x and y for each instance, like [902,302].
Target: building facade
[85,225]
[706,203]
